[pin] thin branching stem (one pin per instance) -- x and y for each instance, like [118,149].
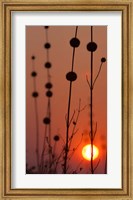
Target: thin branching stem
[75,123]
[98,73]
[43,149]
[73,151]
[50,147]
[72,118]
[91,104]
[47,132]
[97,165]
[95,131]
[67,131]
[88,81]
[91,84]
[37,119]
[68,111]
[105,169]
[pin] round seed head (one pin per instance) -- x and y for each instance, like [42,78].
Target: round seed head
[46,120]
[47,45]
[35,94]
[103,59]
[49,93]
[48,85]
[71,76]
[33,57]
[33,74]
[91,46]
[47,65]
[56,138]
[74,42]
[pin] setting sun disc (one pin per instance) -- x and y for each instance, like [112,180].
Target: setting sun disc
[86,152]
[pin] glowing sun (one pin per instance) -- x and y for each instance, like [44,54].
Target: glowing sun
[86,152]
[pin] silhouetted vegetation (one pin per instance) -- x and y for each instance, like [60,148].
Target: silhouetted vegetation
[49,160]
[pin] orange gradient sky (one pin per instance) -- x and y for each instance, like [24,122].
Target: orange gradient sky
[60,55]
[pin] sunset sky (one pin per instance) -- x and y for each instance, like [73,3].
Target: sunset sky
[60,55]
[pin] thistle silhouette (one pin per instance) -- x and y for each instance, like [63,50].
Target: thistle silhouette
[49,94]
[92,47]
[71,77]
[35,94]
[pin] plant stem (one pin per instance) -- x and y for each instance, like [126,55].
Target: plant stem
[50,150]
[91,104]
[37,122]
[68,112]
[105,169]
[37,134]
[67,131]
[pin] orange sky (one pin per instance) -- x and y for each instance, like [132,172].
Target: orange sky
[61,58]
